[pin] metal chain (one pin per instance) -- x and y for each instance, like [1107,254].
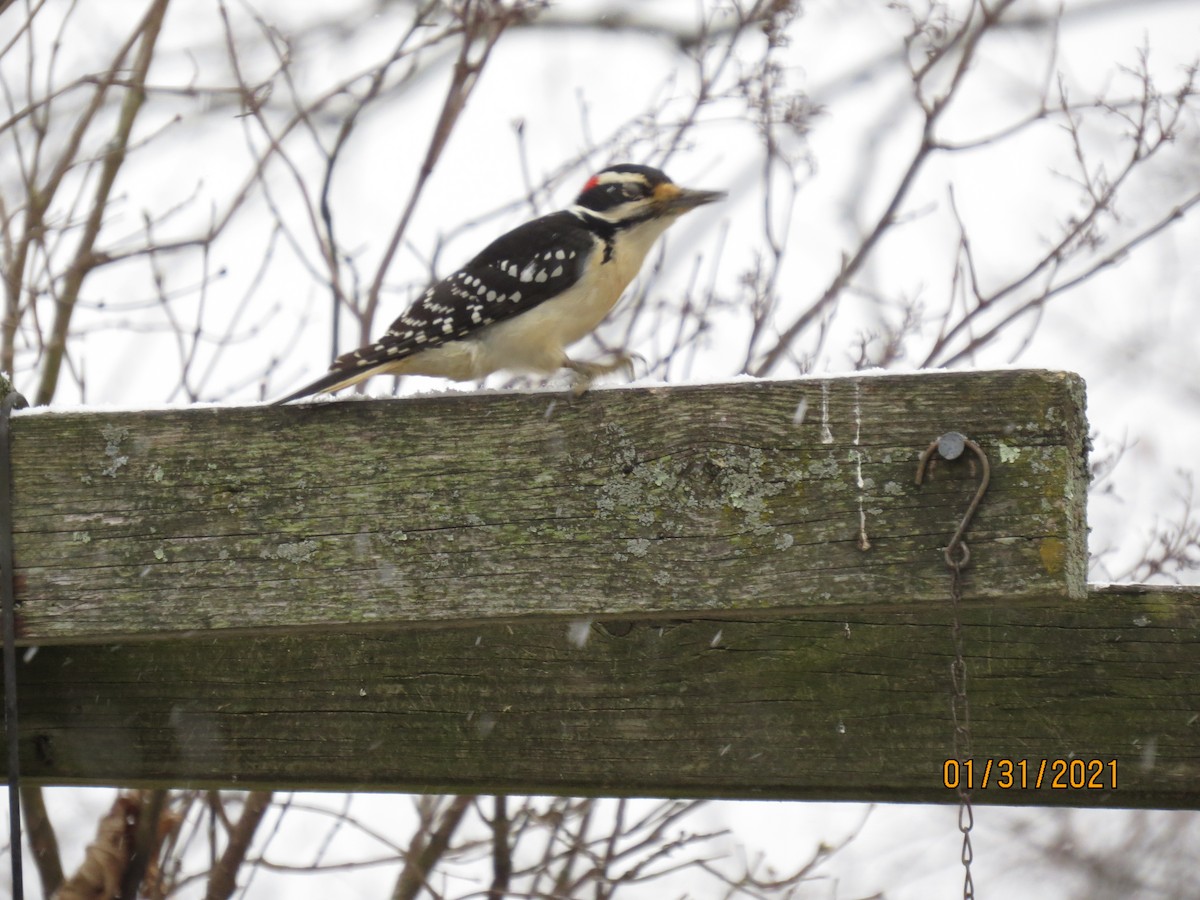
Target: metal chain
[950,446]
[960,710]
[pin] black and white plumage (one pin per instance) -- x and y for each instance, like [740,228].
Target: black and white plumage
[532,292]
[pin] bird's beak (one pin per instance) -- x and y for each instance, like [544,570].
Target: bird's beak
[676,200]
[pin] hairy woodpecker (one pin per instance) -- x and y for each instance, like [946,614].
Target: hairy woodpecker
[532,292]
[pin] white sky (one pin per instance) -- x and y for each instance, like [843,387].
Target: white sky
[1133,334]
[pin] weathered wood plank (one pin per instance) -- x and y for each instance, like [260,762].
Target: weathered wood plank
[698,500]
[847,703]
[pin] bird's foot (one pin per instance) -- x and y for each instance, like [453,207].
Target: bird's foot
[585,372]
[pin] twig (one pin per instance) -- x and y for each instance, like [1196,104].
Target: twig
[477,23]
[145,841]
[329,245]
[42,841]
[970,35]
[56,346]
[424,854]
[222,880]
[38,199]
[501,851]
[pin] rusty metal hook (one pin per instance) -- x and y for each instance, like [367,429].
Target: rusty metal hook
[950,446]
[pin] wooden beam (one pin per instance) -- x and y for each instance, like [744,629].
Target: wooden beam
[836,702]
[727,500]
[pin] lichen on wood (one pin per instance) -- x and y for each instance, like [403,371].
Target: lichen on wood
[712,500]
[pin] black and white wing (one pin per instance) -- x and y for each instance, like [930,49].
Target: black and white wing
[515,273]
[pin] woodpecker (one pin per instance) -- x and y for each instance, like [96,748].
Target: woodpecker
[532,292]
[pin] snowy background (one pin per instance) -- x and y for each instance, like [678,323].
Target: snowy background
[248,318]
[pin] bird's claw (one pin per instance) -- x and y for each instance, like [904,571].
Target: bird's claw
[586,372]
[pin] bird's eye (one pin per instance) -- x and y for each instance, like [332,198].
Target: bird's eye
[631,191]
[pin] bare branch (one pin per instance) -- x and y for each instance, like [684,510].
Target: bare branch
[43,843]
[482,25]
[222,879]
[502,865]
[969,36]
[56,346]
[428,848]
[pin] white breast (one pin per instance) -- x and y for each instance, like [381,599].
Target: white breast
[536,341]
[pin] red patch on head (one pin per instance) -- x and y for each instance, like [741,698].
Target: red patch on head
[591,183]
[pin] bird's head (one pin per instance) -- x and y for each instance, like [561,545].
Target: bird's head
[629,193]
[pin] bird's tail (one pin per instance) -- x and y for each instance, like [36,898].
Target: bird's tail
[333,380]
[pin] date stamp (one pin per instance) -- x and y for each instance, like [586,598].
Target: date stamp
[1030,774]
